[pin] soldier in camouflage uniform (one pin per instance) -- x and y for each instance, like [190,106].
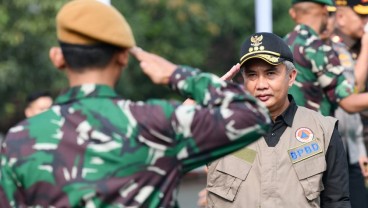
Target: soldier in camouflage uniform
[320,84]
[96,149]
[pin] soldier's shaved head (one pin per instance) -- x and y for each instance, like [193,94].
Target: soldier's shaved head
[311,14]
[304,8]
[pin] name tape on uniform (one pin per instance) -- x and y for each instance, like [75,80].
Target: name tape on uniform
[304,151]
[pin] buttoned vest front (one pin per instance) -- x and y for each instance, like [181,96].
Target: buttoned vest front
[287,175]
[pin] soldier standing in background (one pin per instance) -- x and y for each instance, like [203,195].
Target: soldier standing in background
[351,44]
[320,84]
[96,149]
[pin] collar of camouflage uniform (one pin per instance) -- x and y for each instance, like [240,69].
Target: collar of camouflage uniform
[84,91]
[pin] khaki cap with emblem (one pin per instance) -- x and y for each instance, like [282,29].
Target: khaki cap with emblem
[325,2]
[267,46]
[90,22]
[358,6]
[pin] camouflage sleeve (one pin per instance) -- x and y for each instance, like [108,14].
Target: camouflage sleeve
[8,184]
[328,70]
[157,136]
[225,119]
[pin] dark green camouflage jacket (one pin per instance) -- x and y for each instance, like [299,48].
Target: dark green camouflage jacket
[96,149]
[320,84]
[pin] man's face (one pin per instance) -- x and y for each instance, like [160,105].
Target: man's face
[324,18]
[351,23]
[38,106]
[326,34]
[268,83]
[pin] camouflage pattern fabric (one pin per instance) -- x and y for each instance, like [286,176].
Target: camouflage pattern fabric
[320,84]
[95,149]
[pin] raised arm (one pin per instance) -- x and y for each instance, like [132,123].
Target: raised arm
[361,66]
[225,118]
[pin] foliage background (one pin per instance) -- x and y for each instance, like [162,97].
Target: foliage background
[202,33]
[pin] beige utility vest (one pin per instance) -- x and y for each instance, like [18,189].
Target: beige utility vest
[287,175]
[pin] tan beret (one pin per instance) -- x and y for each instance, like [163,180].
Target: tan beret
[89,22]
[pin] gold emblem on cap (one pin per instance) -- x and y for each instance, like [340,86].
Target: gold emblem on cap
[256,40]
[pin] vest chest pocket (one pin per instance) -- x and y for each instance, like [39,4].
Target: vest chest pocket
[310,172]
[225,181]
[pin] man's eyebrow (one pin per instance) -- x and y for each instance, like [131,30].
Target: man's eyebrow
[248,70]
[272,68]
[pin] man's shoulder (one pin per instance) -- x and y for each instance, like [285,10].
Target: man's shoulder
[307,112]
[302,35]
[304,45]
[312,113]
[41,122]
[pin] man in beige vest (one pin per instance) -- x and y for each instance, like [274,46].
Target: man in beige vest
[300,163]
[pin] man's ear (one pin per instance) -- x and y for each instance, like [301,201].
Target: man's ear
[57,57]
[123,57]
[28,112]
[292,13]
[292,76]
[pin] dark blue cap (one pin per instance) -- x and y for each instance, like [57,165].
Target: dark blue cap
[267,46]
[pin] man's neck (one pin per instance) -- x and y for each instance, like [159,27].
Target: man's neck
[92,76]
[277,112]
[311,24]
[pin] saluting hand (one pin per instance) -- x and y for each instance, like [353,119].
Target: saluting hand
[157,68]
[231,73]
[227,77]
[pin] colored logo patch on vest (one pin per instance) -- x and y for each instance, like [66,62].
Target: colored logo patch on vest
[304,135]
[304,151]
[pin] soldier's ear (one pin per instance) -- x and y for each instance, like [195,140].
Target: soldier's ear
[123,57]
[57,58]
[28,112]
[292,13]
